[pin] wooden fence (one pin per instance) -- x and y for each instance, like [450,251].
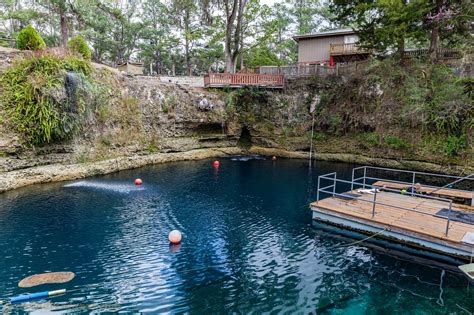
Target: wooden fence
[301,70]
[244,79]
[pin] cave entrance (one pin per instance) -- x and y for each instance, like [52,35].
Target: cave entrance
[245,140]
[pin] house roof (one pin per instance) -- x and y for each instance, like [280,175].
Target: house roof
[344,31]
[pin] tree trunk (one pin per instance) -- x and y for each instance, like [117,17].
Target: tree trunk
[434,44]
[186,43]
[241,50]
[401,49]
[234,16]
[64,28]
[434,37]
[229,63]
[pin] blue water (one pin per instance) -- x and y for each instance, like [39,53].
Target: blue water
[249,246]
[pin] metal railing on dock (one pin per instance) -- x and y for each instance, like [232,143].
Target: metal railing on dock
[332,188]
[414,176]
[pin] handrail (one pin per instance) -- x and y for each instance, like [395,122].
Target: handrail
[406,171]
[455,182]
[413,173]
[333,177]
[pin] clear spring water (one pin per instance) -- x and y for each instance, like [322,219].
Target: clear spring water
[249,246]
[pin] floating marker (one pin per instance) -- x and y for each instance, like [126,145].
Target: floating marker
[216,163]
[27,297]
[175,237]
[138,181]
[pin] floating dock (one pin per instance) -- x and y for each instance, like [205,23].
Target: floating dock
[431,222]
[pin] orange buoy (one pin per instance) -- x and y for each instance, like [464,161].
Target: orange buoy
[216,163]
[138,181]
[175,237]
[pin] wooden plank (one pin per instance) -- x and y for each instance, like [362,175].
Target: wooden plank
[448,192]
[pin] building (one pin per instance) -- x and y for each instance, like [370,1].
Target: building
[329,47]
[131,67]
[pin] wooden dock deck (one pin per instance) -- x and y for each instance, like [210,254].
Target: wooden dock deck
[404,218]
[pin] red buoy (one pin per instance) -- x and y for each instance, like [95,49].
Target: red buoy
[216,163]
[138,181]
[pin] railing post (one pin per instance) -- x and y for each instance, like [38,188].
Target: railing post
[352,181]
[374,202]
[365,173]
[449,215]
[334,185]
[317,192]
[413,183]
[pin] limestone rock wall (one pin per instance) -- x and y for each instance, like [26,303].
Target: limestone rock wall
[145,116]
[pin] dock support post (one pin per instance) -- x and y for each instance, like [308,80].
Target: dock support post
[449,215]
[373,203]
[413,184]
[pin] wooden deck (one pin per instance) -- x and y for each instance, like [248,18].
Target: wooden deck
[346,49]
[449,193]
[238,80]
[423,226]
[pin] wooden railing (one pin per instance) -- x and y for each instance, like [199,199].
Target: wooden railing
[304,70]
[346,49]
[443,53]
[244,79]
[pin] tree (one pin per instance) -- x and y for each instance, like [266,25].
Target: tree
[155,45]
[384,25]
[448,19]
[185,12]
[64,10]
[306,14]
[234,14]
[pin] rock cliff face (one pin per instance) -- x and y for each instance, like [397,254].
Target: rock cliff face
[145,116]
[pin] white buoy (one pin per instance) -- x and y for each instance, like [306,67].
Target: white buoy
[175,237]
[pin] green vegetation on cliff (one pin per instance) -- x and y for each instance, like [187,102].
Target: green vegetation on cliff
[29,39]
[412,107]
[41,97]
[419,111]
[78,45]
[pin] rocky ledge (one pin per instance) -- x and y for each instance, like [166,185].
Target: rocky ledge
[61,172]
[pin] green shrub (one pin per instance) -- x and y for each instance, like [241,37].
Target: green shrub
[319,136]
[370,138]
[31,91]
[29,39]
[78,45]
[395,142]
[454,145]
